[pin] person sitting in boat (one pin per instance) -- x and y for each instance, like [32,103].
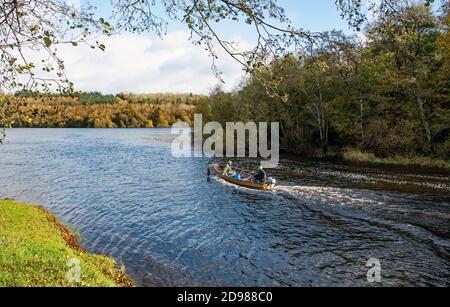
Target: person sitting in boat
[228,168]
[261,176]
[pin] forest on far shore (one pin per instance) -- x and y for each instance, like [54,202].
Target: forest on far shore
[94,110]
[387,95]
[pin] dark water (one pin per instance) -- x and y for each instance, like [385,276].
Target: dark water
[128,198]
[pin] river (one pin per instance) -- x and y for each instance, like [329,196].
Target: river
[126,197]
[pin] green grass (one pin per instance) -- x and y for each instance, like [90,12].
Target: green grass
[354,155]
[35,250]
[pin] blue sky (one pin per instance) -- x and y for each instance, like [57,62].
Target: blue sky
[314,15]
[145,63]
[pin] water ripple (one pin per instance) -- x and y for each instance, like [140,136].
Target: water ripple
[128,198]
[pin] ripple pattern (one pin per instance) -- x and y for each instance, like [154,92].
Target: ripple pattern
[128,198]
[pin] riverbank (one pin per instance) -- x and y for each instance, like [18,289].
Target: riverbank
[354,155]
[37,251]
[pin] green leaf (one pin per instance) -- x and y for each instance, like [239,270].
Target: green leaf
[47,41]
[35,28]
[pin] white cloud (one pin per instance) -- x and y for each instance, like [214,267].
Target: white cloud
[142,64]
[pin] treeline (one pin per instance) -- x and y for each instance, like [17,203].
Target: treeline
[387,93]
[99,98]
[92,110]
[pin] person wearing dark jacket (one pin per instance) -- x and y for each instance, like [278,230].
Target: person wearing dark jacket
[261,176]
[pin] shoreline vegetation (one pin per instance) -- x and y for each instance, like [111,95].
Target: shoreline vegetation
[95,110]
[28,109]
[357,156]
[385,97]
[36,250]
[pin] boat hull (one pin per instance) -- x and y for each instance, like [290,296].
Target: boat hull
[243,183]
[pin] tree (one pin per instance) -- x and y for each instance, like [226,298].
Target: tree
[348,91]
[403,32]
[410,42]
[356,11]
[42,25]
[38,27]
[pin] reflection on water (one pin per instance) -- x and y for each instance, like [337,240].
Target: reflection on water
[128,198]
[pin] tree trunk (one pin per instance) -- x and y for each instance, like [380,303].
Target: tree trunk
[423,117]
[325,143]
[363,134]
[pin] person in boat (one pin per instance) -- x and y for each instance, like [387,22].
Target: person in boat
[261,175]
[228,168]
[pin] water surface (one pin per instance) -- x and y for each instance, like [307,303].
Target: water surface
[127,197]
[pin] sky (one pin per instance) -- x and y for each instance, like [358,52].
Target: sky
[145,63]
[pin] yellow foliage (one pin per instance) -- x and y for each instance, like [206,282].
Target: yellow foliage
[60,112]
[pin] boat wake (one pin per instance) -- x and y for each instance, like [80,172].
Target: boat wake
[331,195]
[317,194]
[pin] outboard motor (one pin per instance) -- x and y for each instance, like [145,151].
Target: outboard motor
[272,181]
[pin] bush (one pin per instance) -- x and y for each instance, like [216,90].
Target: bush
[443,150]
[351,154]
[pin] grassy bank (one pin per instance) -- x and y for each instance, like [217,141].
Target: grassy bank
[35,250]
[354,155]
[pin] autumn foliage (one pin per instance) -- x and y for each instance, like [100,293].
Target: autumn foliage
[94,110]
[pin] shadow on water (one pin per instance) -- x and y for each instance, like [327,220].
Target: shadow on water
[160,216]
